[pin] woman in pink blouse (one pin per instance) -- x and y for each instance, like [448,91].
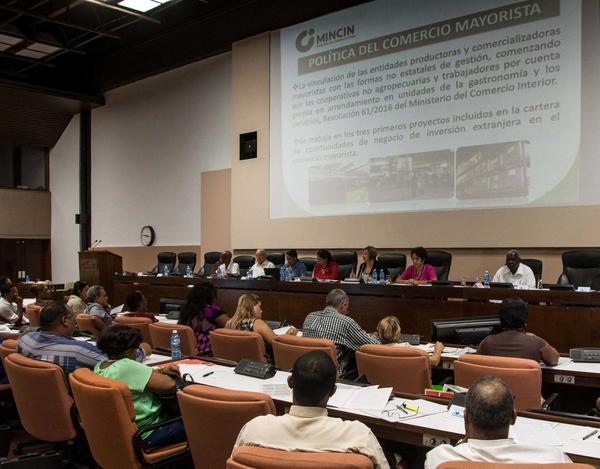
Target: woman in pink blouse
[419,272]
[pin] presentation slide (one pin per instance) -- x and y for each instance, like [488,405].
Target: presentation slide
[428,105]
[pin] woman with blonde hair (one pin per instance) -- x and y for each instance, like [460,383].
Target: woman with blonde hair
[389,331]
[248,317]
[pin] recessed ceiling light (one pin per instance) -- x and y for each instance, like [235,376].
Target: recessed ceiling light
[140,5]
[31,54]
[45,48]
[5,39]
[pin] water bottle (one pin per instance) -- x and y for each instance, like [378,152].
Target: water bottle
[165,271]
[26,278]
[486,279]
[249,274]
[381,276]
[188,271]
[218,272]
[374,277]
[282,274]
[175,345]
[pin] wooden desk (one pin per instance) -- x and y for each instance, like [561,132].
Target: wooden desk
[566,319]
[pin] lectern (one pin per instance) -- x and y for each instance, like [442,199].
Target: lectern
[97,267]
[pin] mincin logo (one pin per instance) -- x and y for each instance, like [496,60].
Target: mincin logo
[305,40]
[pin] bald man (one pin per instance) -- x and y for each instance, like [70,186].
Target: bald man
[515,272]
[489,413]
[262,263]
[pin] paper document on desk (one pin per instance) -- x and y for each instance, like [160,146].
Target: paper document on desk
[398,409]
[279,391]
[355,397]
[534,432]
[28,301]
[195,371]
[281,330]
[117,309]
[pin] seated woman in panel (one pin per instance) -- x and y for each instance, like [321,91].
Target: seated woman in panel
[295,268]
[370,263]
[419,272]
[120,344]
[389,331]
[248,317]
[326,268]
[136,305]
[77,297]
[201,313]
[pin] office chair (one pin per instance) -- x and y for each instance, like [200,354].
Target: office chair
[309,262]
[185,260]
[255,457]
[210,260]
[165,259]
[580,267]
[394,262]
[441,262]
[288,348]
[236,345]
[277,258]
[536,265]
[345,258]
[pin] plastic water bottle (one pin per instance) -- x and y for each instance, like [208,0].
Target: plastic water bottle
[374,277]
[175,345]
[165,271]
[218,272]
[188,271]
[381,276]
[282,274]
[249,274]
[486,279]
[26,278]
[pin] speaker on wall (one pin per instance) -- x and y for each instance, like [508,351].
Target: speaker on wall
[248,143]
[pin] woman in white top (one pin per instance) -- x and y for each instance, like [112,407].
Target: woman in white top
[389,331]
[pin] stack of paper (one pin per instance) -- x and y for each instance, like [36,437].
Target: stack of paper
[355,397]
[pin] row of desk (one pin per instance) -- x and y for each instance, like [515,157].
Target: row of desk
[566,319]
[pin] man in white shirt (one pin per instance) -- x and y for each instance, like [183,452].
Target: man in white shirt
[515,271]
[11,305]
[262,263]
[226,266]
[489,412]
[307,427]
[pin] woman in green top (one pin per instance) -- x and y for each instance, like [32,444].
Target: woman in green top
[120,344]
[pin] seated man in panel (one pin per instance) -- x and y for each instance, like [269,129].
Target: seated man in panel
[515,271]
[226,266]
[262,263]
[489,413]
[513,341]
[333,323]
[11,305]
[307,426]
[54,342]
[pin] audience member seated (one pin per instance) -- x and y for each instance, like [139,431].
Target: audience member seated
[54,342]
[136,305]
[248,317]
[294,267]
[11,305]
[201,313]
[225,265]
[97,304]
[513,341]
[262,263]
[307,427]
[489,412]
[326,268]
[389,331]
[5,279]
[419,272]
[370,263]
[120,344]
[42,294]
[515,271]
[333,323]
[77,297]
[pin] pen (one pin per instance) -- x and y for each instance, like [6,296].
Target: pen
[590,435]
[207,374]
[401,409]
[410,407]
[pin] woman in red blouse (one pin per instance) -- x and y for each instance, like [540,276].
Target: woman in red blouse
[326,268]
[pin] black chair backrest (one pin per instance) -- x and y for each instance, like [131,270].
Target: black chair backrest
[277,258]
[309,262]
[393,260]
[245,262]
[440,261]
[581,266]
[345,258]
[165,259]
[211,257]
[185,259]
[536,265]
[345,271]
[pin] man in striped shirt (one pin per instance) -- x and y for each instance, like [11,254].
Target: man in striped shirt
[54,342]
[333,323]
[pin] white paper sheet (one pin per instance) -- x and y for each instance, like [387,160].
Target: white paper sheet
[534,432]
[117,309]
[354,397]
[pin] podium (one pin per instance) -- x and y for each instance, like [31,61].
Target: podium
[97,267]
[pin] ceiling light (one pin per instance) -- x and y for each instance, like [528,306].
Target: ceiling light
[10,40]
[140,5]
[32,54]
[45,48]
